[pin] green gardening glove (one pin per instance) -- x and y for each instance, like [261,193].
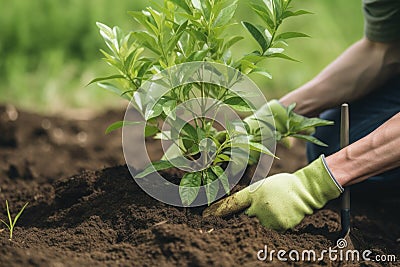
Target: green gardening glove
[281,201]
[278,112]
[285,121]
[281,116]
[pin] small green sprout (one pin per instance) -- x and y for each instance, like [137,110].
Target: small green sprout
[12,223]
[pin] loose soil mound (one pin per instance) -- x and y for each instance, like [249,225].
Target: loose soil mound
[78,216]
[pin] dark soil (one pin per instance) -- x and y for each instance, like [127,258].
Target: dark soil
[80,214]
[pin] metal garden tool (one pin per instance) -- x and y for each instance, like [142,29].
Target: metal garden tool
[345,198]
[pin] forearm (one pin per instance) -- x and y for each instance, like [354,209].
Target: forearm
[360,69]
[374,154]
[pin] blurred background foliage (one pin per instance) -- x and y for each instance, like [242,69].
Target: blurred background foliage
[49,50]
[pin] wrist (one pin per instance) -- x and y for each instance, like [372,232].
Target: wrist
[329,171]
[336,165]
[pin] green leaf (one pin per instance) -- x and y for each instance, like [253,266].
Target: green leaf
[153,167]
[182,27]
[268,35]
[221,158]
[210,186]
[189,187]
[168,107]
[9,215]
[118,76]
[225,15]
[105,30]
[230,128]
[163,135]
[201,134]
[143,69]
[280,55]
[108,35]
[177,35]
[196,4]
[289,13]
[247,66]
[6,224]
[277,6]
[239,104]
[147,40]
[182,4]
[265,14]
[192,148]
[275,50]
[233,41]
[262,72]
[20,213]
[145,19]
[205,8]
[261,148]
[254,147]
[257,35]
[220,173]
[197,35]
[311,123]
[112,88]
[120,124]
[309,138]
[150,130]
[289,35]
[198,55]
[157,17]
[268,124]
[190,131]
[290,109]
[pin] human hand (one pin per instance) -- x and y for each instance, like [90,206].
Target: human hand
[281,201]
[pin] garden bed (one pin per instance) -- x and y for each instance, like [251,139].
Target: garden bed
[86,210]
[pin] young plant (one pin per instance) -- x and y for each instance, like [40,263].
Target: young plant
[12,222]
[185,31]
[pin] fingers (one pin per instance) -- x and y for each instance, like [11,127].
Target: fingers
[250,212]
[230,205]
[265,219]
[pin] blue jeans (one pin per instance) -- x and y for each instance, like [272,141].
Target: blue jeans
[366,115]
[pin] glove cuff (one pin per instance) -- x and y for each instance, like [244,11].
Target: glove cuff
[341,189]
[319,182]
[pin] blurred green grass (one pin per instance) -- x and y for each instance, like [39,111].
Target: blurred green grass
[49,50]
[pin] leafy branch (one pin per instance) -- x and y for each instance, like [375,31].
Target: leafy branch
[272,13]
[182,31]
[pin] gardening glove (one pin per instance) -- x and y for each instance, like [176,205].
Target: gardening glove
[281,119]
[281,201]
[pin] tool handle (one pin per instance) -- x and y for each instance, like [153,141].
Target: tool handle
[344,141]
[345,221]
[344,126]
